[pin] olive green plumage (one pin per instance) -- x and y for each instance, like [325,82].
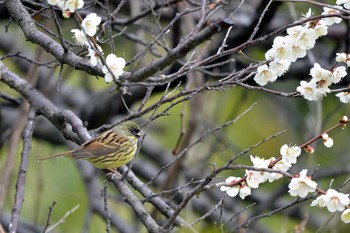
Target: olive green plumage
[111,149]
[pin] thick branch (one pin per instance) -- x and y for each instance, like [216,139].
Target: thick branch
[27,24]
[40,103]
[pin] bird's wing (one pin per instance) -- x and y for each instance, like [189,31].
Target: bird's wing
[100,146]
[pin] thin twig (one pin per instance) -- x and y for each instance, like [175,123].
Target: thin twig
[49,216]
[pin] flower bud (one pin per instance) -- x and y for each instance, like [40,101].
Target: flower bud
[66,14]
[309,149]
[344,119]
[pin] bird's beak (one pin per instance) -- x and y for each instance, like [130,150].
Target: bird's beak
[140,134]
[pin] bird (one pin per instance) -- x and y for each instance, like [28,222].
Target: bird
[109,150]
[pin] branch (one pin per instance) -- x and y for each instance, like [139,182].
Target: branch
[40,103]
[136,205]
[180,51]
[22,172]
[27,24]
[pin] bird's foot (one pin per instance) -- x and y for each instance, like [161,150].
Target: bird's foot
[110,173]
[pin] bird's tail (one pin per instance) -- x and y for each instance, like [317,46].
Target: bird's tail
[62,154]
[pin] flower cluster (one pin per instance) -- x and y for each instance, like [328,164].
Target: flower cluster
[301,38]
[253,179]
[84,37]
[300,185]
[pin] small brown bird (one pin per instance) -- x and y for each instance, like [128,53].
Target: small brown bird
[111,149]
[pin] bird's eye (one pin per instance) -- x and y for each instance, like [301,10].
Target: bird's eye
[134,131]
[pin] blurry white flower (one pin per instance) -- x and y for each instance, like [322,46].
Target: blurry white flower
[280,165]
[281,49]
[59,3]
[73,5]
[297,52]
[90,24]
[244,191]
[279,66]
[115,65]
[80,37]
[345,216]
[232,191]
[94,57]
[344,97]
[320,201]
[346,3]
[52,2]
[265,75]
[341,57]
[331,20]
[309,90]
[321,29]
[302,37]
[254,178]
[290,154]
[301,185]
[319,74]
[336,201]
[338,73]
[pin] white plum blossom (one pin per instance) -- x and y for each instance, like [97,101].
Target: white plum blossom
[344,97]
[115,65]
[80,37]
[232,191]
[52,2]
[297,52]
[345,216]
[280,66]
[281,49]
[73,5]
[338,73]
[319,74]
[302,37]
[301,185]
[309,90]
[265,75]
[334,200]
[90,24]
[59,3]
[331,20]
[94,57]
[290,154]
[320,201]
[321,29]
[280,165]
[254,178]
[345,3]
[341,57]
[244,191]
[241,189]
